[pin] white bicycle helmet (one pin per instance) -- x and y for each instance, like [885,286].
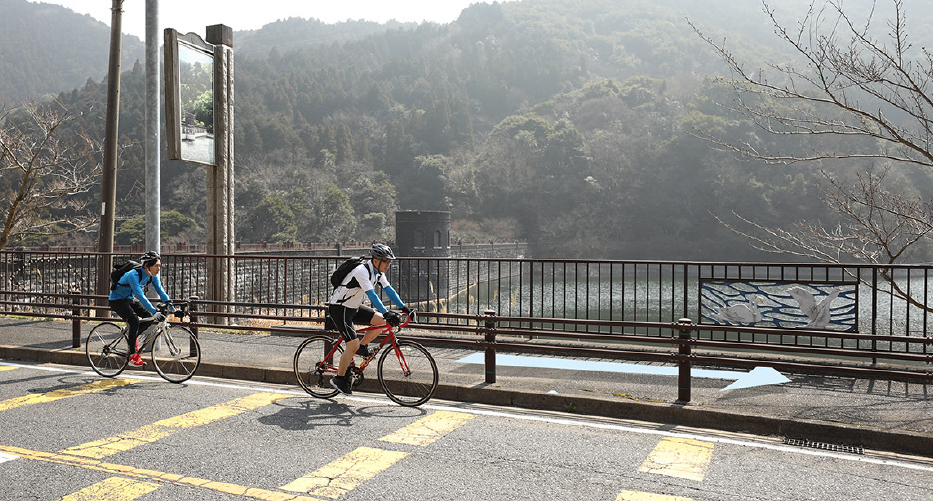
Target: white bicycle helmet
[381,251]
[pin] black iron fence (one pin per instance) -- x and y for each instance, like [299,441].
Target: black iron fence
[886,307]
[675,312]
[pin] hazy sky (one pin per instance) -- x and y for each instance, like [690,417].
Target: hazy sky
[194,15]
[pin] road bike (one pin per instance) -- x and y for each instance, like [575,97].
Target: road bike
[176,353]
[407,372]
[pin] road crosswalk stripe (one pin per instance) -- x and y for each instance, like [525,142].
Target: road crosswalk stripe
[647,496]
[38,398]
[112,489]
[428,429]
[679,457]
[152,475]
[345,474]
[102,448]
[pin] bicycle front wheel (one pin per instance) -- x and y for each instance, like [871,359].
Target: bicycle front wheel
[408,374]
[106,348]
[176,354]
[314,369]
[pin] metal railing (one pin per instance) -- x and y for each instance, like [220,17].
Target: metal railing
[539,297]
[688,345]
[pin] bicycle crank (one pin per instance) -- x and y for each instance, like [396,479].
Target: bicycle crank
[356,376]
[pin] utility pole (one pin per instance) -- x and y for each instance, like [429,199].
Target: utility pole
[109,182]
[153,167]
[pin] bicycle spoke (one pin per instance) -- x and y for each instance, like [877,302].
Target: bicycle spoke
[176,354]
[106,349]
[313,368]
[408,374]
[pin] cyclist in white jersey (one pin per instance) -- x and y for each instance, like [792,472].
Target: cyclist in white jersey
[346,308]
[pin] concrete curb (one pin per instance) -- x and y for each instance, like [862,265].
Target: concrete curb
[900,441]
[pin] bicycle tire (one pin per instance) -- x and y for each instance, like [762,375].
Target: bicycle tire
[413,387]
[312,371]
[107,348]
[176,354]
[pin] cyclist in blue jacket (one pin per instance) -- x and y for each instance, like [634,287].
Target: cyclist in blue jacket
[129,300]
[346,307]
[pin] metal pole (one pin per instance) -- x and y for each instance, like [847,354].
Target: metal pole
[490,328]
[109,181]
[193,318]
[75,321]
[153,168]
[683,373]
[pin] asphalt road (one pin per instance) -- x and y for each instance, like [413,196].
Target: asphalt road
[66,432]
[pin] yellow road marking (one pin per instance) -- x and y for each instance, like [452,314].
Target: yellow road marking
[647,496]
[679,457]
[112,489]
[7,368]
[346,473]
[428,429]
[152,475]
[160,429]
[38,398]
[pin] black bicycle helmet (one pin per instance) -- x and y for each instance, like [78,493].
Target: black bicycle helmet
[149,258]
[381,251]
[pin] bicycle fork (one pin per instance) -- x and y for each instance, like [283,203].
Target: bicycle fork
[406,371]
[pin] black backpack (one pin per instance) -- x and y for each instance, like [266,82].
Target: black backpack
[120,269]
[336,279]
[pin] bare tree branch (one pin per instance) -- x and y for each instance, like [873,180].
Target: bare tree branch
[41,178]
[848,83]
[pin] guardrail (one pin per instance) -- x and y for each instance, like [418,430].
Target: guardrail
[889,300]
[689,344]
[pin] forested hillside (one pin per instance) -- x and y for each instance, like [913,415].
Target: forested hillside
[46,48]
[558,122]
[297,33]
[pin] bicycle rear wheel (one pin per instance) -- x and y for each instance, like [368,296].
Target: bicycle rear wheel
[176,354]
[409,375]
[107,349]
[311,368]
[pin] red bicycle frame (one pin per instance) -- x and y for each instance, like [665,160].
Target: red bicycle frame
[389,333]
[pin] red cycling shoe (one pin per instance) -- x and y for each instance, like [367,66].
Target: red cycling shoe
[135,360]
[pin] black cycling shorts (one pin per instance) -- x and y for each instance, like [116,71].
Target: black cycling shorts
[342,319]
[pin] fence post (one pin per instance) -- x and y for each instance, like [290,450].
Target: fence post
[193,319]
[683,372]
[193,313]
[490,330]
[75,318]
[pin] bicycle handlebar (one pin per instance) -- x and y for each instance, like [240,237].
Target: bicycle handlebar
[180,311]
[403,324]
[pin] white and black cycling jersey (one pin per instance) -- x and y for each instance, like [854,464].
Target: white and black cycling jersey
[350,295]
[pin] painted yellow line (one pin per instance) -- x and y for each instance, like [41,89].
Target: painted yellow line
[647,496]
[153,476]
[428,429]
[112,489]
[679,457]
[7,368]
[52,396]
[160,429]
[345,474]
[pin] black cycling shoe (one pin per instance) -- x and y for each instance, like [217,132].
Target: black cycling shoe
[364,351]
[342,384]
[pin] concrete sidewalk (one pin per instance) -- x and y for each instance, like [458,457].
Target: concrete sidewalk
[875,414]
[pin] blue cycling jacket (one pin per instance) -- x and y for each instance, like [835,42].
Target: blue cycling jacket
[130,285]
